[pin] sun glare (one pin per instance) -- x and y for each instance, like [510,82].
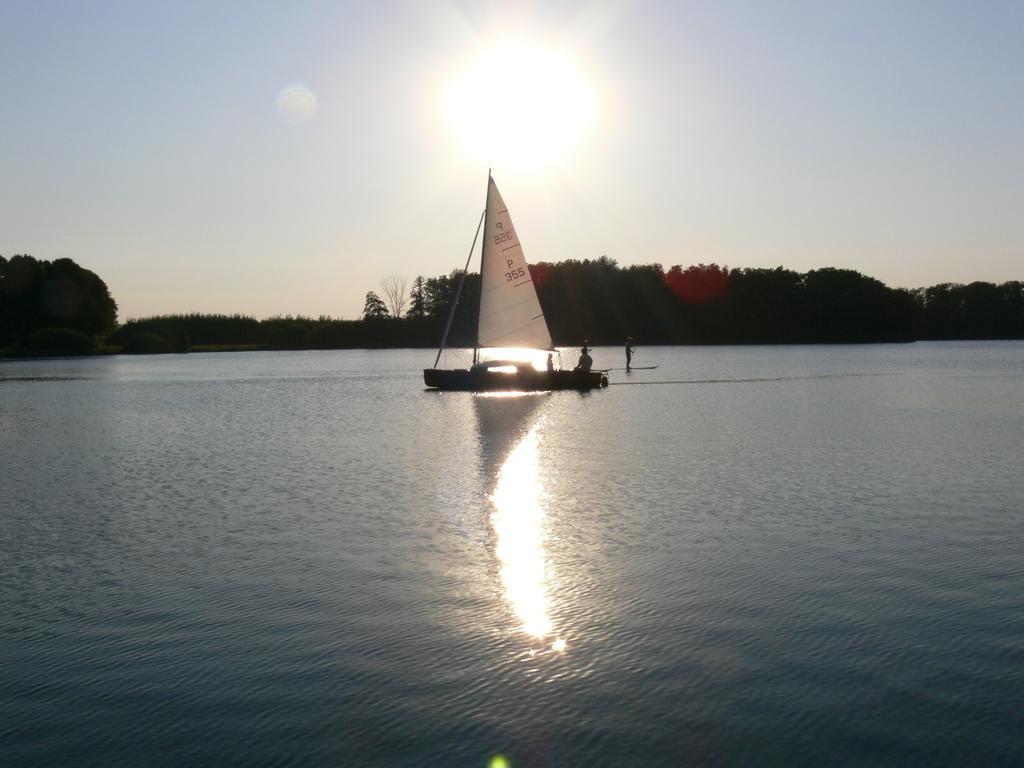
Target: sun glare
[518,520]
[520,105]
[536,357]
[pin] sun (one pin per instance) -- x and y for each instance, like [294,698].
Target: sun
[520,105]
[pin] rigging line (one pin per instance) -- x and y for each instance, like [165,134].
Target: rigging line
[455,304]
[488,213]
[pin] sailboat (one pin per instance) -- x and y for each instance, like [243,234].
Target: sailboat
[510,316]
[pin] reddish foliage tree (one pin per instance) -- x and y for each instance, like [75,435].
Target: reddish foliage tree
[700,284]
[541,273]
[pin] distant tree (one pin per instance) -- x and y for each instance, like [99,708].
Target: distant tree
[438,294]
[975,311]
[980,310]
[374,308]
[21,307]
[79,298]
[1012,304]
[767,305]
[59,294]
[417,300]
[394,294]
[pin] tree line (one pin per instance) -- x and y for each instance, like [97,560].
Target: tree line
[707,304]
[59,307]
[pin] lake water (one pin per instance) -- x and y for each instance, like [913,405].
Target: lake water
[788,556]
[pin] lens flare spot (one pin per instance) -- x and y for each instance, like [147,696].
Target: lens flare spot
[297,104]
[499,761]
[559,646]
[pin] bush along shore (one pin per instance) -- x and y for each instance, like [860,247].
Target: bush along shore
[59,308]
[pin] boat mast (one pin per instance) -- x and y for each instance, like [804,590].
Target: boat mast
[483,246]
[455,304]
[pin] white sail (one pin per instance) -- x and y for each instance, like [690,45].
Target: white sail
[510,314]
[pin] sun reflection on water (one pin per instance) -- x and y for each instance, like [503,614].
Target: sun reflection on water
[518,521]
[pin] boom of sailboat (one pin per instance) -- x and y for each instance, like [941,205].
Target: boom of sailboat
[510,316]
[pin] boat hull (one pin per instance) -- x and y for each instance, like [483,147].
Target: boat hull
[520,380]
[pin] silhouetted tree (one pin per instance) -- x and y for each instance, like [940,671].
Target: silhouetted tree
[438,294]
[59,294]
[417,301]
[845,306]
[394,294]
[374,308]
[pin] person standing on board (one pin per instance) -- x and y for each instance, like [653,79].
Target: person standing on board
[551,363]
[585,360]
[630,346]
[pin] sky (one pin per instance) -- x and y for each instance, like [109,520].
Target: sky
[283,158]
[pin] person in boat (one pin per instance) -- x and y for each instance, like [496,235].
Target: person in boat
[585,361]
[630,346]
[551,363]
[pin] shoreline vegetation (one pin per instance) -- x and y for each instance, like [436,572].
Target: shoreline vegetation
[59,308]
